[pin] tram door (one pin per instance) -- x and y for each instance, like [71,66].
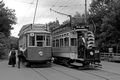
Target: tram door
[81,44]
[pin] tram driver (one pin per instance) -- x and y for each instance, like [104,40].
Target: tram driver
[81,45]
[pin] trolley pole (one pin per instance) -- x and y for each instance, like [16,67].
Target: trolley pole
[86,12]
[35,13]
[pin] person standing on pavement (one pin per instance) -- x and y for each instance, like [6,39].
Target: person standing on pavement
[12,58]
[20,56]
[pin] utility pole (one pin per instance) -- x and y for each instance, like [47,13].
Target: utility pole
[86,12]
[35,13]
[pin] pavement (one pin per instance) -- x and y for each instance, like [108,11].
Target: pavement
[7,72]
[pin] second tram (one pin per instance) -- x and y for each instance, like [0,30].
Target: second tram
[74,45]
[36,43]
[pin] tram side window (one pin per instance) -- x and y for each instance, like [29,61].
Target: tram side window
[57,43]
[32,41]
[66,40]
[53,43]
[61,42]
[40,40]
[47,40]
[73,42]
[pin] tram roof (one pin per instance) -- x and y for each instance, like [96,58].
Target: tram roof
[36,31]
[36,28]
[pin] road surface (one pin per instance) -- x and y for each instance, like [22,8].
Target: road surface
[109,71]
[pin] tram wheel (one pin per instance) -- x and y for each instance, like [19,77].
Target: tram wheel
[49,63]
[27,64]
[86,64]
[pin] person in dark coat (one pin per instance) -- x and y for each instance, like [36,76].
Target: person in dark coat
[12,58]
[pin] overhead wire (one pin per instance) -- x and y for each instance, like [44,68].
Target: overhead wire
[26,12]
[60,8]
[57,9]
[22,1]
[69,4]
[48,9]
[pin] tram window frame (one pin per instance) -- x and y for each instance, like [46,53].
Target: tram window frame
[73,41]
[26,40]
[66,41]
[31,40]
[48,40]
[61,42]
[57,42]
[40,40]
[53,43]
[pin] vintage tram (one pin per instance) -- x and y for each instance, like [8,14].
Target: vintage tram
[36,44]
[74,45]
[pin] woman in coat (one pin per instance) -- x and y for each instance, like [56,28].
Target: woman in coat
[12,58]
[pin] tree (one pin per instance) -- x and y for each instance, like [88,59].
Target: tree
[7,19]
[106,15]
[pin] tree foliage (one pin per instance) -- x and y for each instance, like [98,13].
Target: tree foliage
[106,15]
[7,19]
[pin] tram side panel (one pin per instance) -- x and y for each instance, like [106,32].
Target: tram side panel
[92,55]
[37,54]
[66,52]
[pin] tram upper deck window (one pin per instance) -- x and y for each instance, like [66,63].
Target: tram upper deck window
[32,41]
[40,37]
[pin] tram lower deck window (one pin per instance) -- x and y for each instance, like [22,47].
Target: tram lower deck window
[73,42]
[40,44]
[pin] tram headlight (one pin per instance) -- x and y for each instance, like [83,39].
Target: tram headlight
[91,53]
[41,53]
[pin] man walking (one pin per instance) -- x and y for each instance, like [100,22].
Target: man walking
[20,56]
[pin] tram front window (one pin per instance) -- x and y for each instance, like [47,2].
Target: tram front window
[32,41]
[40,39]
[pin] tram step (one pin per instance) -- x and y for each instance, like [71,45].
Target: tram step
[77,64]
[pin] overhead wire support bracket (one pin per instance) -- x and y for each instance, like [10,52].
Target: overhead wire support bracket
[63,14]
[60,13]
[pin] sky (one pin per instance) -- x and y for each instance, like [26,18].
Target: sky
[25,10]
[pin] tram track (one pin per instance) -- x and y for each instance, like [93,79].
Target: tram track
[38,71]
[85,72]
[110,72]
[102,74]
[65,73]
[40,74]
[96,74]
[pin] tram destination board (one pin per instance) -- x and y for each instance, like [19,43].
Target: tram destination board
[80,27]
